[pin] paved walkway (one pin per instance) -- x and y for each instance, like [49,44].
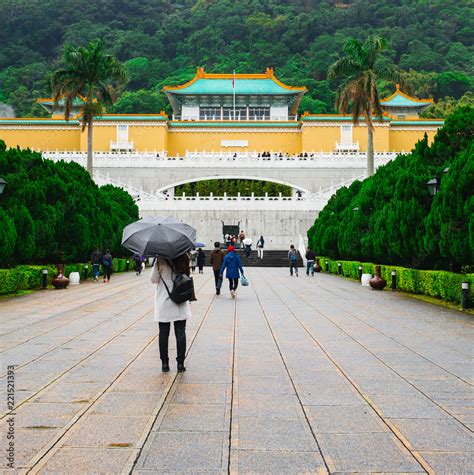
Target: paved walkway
[304,374]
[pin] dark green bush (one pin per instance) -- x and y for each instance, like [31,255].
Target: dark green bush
[55,212]
[391,217]
[439,284]
[30,277]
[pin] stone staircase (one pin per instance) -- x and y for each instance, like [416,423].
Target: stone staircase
[271,258]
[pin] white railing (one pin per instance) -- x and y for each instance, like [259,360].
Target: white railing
[243,118]
[162,201]
[160,159]
[347,146]
[121,145]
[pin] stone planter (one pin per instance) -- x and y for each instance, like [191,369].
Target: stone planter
[365,280]
[317,267]
[74,278]
[60,282]
[377,283]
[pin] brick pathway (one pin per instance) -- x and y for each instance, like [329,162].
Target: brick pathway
[298,375]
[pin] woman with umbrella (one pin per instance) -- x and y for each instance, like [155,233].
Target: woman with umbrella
[167,311]
[168,240]
[248,247]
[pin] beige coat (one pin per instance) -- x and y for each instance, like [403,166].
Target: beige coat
[165,309]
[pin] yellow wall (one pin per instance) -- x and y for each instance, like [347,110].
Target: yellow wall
[179,142]
[148,138]
[381,138]
[405,140]
[42,139]
[394,138]
[317,138]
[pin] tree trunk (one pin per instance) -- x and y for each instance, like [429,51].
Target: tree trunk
[89,149]
[370,151]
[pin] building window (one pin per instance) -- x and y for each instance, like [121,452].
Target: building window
[122,133]
[259,113]
[346,134]
[240,113]
[210,113]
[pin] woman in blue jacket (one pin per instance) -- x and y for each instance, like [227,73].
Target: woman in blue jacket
[233,265]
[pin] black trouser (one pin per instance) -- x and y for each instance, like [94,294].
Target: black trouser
[293,265]
[233,284]
[107,272]
[217,274]
[180,333]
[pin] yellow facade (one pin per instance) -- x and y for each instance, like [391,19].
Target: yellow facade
[285,140]
[177,138]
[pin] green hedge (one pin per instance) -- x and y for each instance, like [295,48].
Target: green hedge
[440,284]
[30,277]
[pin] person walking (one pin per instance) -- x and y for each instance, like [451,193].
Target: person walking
[167,311]
[216,259]
[138,263]
[293,258]
[241,239]
[200,260]
[193,259]
[260,246]
[233,265]
[310,258]
[107,264]
[248,250]
[96,260]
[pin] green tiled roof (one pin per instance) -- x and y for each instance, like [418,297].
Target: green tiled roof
[38,122]
[337,118]
[131,117]
[400,101]
[417,122]
[242,86]
[235,124]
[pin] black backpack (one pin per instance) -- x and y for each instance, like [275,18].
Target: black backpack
[183,287]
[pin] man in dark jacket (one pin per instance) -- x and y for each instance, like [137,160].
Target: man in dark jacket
[216,259]
[310,257]
[96,260]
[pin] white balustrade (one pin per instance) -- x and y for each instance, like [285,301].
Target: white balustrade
[247,159]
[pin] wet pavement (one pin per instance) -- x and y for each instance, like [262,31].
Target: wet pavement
[297,375]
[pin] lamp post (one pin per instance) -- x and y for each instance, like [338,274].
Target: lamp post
[432,186]
[3,183]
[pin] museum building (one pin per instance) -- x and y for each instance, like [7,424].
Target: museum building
[231,113]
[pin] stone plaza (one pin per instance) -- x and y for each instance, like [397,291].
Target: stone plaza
[297,375]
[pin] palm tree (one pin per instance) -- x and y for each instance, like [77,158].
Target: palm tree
[360,71]
[90,76]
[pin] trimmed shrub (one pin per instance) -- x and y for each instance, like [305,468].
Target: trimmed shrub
[439,284]
[30,277]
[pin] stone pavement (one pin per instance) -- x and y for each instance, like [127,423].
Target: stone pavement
[298,375]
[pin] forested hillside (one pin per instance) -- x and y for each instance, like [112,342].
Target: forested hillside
[163,41]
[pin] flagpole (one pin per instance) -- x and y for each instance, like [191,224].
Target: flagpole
[233,89]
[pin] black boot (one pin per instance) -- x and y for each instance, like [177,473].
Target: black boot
[165,366]
[181,367]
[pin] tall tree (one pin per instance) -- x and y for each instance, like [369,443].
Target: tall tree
[360,70]
[91,75]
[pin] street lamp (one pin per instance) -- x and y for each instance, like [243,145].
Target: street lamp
[432,186]
[3,182]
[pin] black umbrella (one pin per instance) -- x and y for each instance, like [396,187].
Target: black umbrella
[162,236]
